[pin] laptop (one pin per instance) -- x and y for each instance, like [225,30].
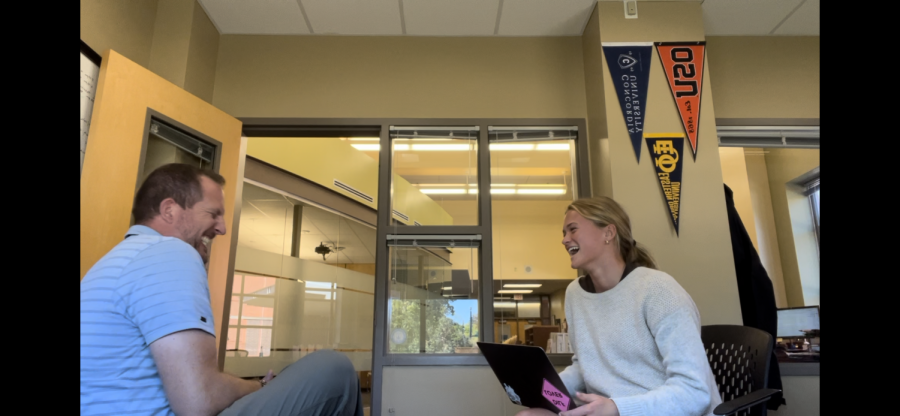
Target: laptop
[526,374]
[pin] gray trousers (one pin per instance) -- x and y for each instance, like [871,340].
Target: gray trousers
[323,383]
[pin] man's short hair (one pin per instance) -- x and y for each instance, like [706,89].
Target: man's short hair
[178,181]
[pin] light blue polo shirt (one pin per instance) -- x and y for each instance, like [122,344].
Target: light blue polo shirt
[148,286]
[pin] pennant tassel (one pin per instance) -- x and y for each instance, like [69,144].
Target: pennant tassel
[666,154]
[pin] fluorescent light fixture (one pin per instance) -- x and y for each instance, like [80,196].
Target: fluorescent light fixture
[367,147]
[447,288]
[502,184]
[364,139]
[552,146]
[522,285]
[454,191]
[504,305]
[515,291]
[401,147]
[473,190]
[458,185]
[503,191]
[434,147]
[512,146]
[541,191]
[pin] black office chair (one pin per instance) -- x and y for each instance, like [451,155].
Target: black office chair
[740,357]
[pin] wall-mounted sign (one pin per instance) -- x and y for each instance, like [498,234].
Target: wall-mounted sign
[665,149]
[683,64]
[629,69]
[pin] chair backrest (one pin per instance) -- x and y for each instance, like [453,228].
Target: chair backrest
[739,357]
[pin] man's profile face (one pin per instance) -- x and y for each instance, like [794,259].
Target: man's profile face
[200,224]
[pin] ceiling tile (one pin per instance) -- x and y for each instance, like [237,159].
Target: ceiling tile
[804,21]
[544,18]
[743,17]
[269,17]
[450,18]
[354,17]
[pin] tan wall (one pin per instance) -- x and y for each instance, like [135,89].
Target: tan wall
[764,218]
[783,166]
[348,76]
[700,259]
[124,26]
[734,174]
[764,76]
[598,134]
[203,51]
[173,38]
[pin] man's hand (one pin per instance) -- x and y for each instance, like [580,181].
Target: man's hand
[187,365]
[268,377]
[596,406]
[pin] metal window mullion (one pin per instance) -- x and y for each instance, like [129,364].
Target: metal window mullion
[486,252]
[383,222]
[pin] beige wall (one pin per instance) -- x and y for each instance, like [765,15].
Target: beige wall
[173,38]
[124,26]
[348,76]
[764,76]
[734,174]
[700,258]
[203,51]
[800,267]
[598,135]
[764,219]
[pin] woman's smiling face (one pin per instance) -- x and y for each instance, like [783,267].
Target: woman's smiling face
[584,241]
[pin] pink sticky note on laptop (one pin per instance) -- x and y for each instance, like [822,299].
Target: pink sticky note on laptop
[555,396]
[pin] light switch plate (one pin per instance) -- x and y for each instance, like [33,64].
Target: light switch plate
[631,9]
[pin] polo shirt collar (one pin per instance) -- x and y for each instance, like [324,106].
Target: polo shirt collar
[140,229]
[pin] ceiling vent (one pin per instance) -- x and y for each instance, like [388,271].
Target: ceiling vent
[353,191]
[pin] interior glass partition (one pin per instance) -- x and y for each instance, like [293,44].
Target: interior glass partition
[533,180]
[433,305]
[434,175]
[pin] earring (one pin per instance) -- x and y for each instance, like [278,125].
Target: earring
[607,241]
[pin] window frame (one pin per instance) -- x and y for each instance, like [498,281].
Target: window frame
[349,127]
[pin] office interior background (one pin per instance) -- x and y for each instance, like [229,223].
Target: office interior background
[497,114]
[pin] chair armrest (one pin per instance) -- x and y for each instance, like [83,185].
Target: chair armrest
[745,401]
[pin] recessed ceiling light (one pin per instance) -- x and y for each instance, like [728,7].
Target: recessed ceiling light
[553,146]
[515,291]
[522,285]
[442,191]
[541,191]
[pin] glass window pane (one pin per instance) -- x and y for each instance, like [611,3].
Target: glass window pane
[434,303]
[257,311]
[163,147]
[435,176]
[532,183]
[256,341]
[305,297]
[236,284]
[259,285]
[235,310]
[232,340]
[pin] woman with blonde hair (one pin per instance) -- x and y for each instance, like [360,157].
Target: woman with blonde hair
[634,330]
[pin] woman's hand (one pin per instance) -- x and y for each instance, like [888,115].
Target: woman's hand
[596,405]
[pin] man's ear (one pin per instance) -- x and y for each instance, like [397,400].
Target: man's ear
[169,210]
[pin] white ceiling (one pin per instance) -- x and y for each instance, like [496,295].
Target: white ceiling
[486,17]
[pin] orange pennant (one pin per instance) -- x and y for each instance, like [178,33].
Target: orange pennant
[683,64]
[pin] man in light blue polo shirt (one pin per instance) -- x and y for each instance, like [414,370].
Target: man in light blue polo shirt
[147,331]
